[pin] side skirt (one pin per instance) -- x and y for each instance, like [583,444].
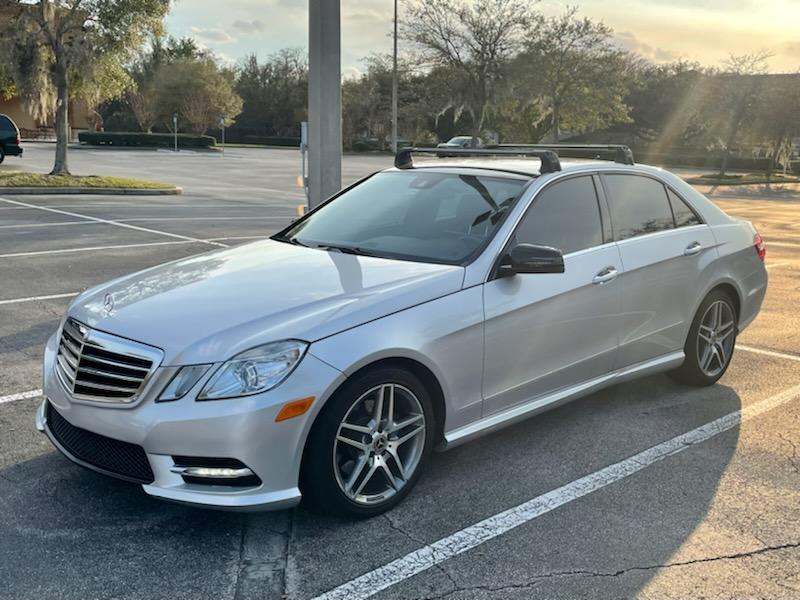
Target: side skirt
[542,403]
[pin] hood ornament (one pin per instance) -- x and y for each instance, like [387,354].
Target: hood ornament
[108,304]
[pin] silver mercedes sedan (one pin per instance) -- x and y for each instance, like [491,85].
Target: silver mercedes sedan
[422,307]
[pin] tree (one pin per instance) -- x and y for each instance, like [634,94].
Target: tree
[275,92]
[777,121]
[573,66]
[61,46]
[199,91]
[474,42]
[736,97]
[667,104]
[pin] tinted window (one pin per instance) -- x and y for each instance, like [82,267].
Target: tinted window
[638,205]
[684,216]
[565,216]
[7,125]
[416,214]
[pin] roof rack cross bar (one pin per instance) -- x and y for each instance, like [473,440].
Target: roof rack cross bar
[548,156]
[622,153]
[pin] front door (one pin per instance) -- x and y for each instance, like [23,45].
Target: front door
[544,332]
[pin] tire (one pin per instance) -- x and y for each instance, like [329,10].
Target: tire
[709,355]
[2,156]
[328,479]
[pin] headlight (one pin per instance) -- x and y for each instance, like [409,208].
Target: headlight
[256,370]
[183,381]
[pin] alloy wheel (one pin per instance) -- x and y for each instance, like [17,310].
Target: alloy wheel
[379,443]
[715,338]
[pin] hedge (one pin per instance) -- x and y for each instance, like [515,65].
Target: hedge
[145,140]
[272,140]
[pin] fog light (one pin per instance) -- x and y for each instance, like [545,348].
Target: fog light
[214,471]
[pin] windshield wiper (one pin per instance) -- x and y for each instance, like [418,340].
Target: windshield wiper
[347,249]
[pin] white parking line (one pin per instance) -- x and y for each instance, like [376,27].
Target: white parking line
[58,224]
[780,264]
[90,248]
[426,557]
[20,396]
[110,222]
[35,298]
[249,218]
[772,353]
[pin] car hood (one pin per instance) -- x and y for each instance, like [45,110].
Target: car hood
[210,307]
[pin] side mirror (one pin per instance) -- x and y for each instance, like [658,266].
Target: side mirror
[529,258]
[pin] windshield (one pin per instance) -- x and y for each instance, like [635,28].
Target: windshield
[415,215]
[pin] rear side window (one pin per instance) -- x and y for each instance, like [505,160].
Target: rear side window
[638,205]
[6,125]
[684,216]
[565,215]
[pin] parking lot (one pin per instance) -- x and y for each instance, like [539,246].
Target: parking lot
[649,489]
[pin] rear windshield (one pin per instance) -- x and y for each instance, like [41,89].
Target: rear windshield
[6,124]
[413,215]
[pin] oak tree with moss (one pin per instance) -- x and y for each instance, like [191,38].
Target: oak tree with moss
[57,50]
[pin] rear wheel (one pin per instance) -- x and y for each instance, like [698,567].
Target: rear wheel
[711,341]
[2,155]
[368,446]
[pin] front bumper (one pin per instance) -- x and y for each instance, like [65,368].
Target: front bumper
[243,429]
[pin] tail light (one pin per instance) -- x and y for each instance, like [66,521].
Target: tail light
[760,247]
[19,139]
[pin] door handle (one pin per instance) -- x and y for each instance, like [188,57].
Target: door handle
[604,276]
[693,248]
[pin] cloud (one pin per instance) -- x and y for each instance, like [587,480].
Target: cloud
[211,36]
[254,26]
[628,41]
[790,49]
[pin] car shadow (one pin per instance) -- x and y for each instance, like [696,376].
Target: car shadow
[71,533]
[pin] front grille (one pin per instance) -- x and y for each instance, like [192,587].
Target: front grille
[97,366]
[122,459]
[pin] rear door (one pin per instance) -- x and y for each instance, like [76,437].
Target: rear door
[664,252]
[8,132]
[544,332]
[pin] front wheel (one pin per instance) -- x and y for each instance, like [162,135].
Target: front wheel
[367,448]
[711,341]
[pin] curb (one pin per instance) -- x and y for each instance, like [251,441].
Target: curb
[90,191]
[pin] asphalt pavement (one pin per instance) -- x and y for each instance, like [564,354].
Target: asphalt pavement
[649,489]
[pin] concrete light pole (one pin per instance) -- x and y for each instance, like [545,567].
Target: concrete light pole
[394,83]
[324,100]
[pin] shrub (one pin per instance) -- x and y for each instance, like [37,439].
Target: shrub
[145,140]
[360,146]
[272,140]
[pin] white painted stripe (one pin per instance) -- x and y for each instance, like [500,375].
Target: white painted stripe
[772,353]
[426,557]
[92,248]
[249,218]
[20,396]
[35,298]
[110,222]
[780,264]
[782,244]
[58,224]
[239,237]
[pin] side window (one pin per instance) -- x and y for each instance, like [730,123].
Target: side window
[638,205]
[565,215]
[6,124]
[684,216]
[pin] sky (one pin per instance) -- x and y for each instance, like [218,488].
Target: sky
[706,31]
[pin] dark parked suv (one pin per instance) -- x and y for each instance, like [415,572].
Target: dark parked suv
[9,138]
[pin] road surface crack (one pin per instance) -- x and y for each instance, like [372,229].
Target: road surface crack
[422,542]
[537,579]
[793,459]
